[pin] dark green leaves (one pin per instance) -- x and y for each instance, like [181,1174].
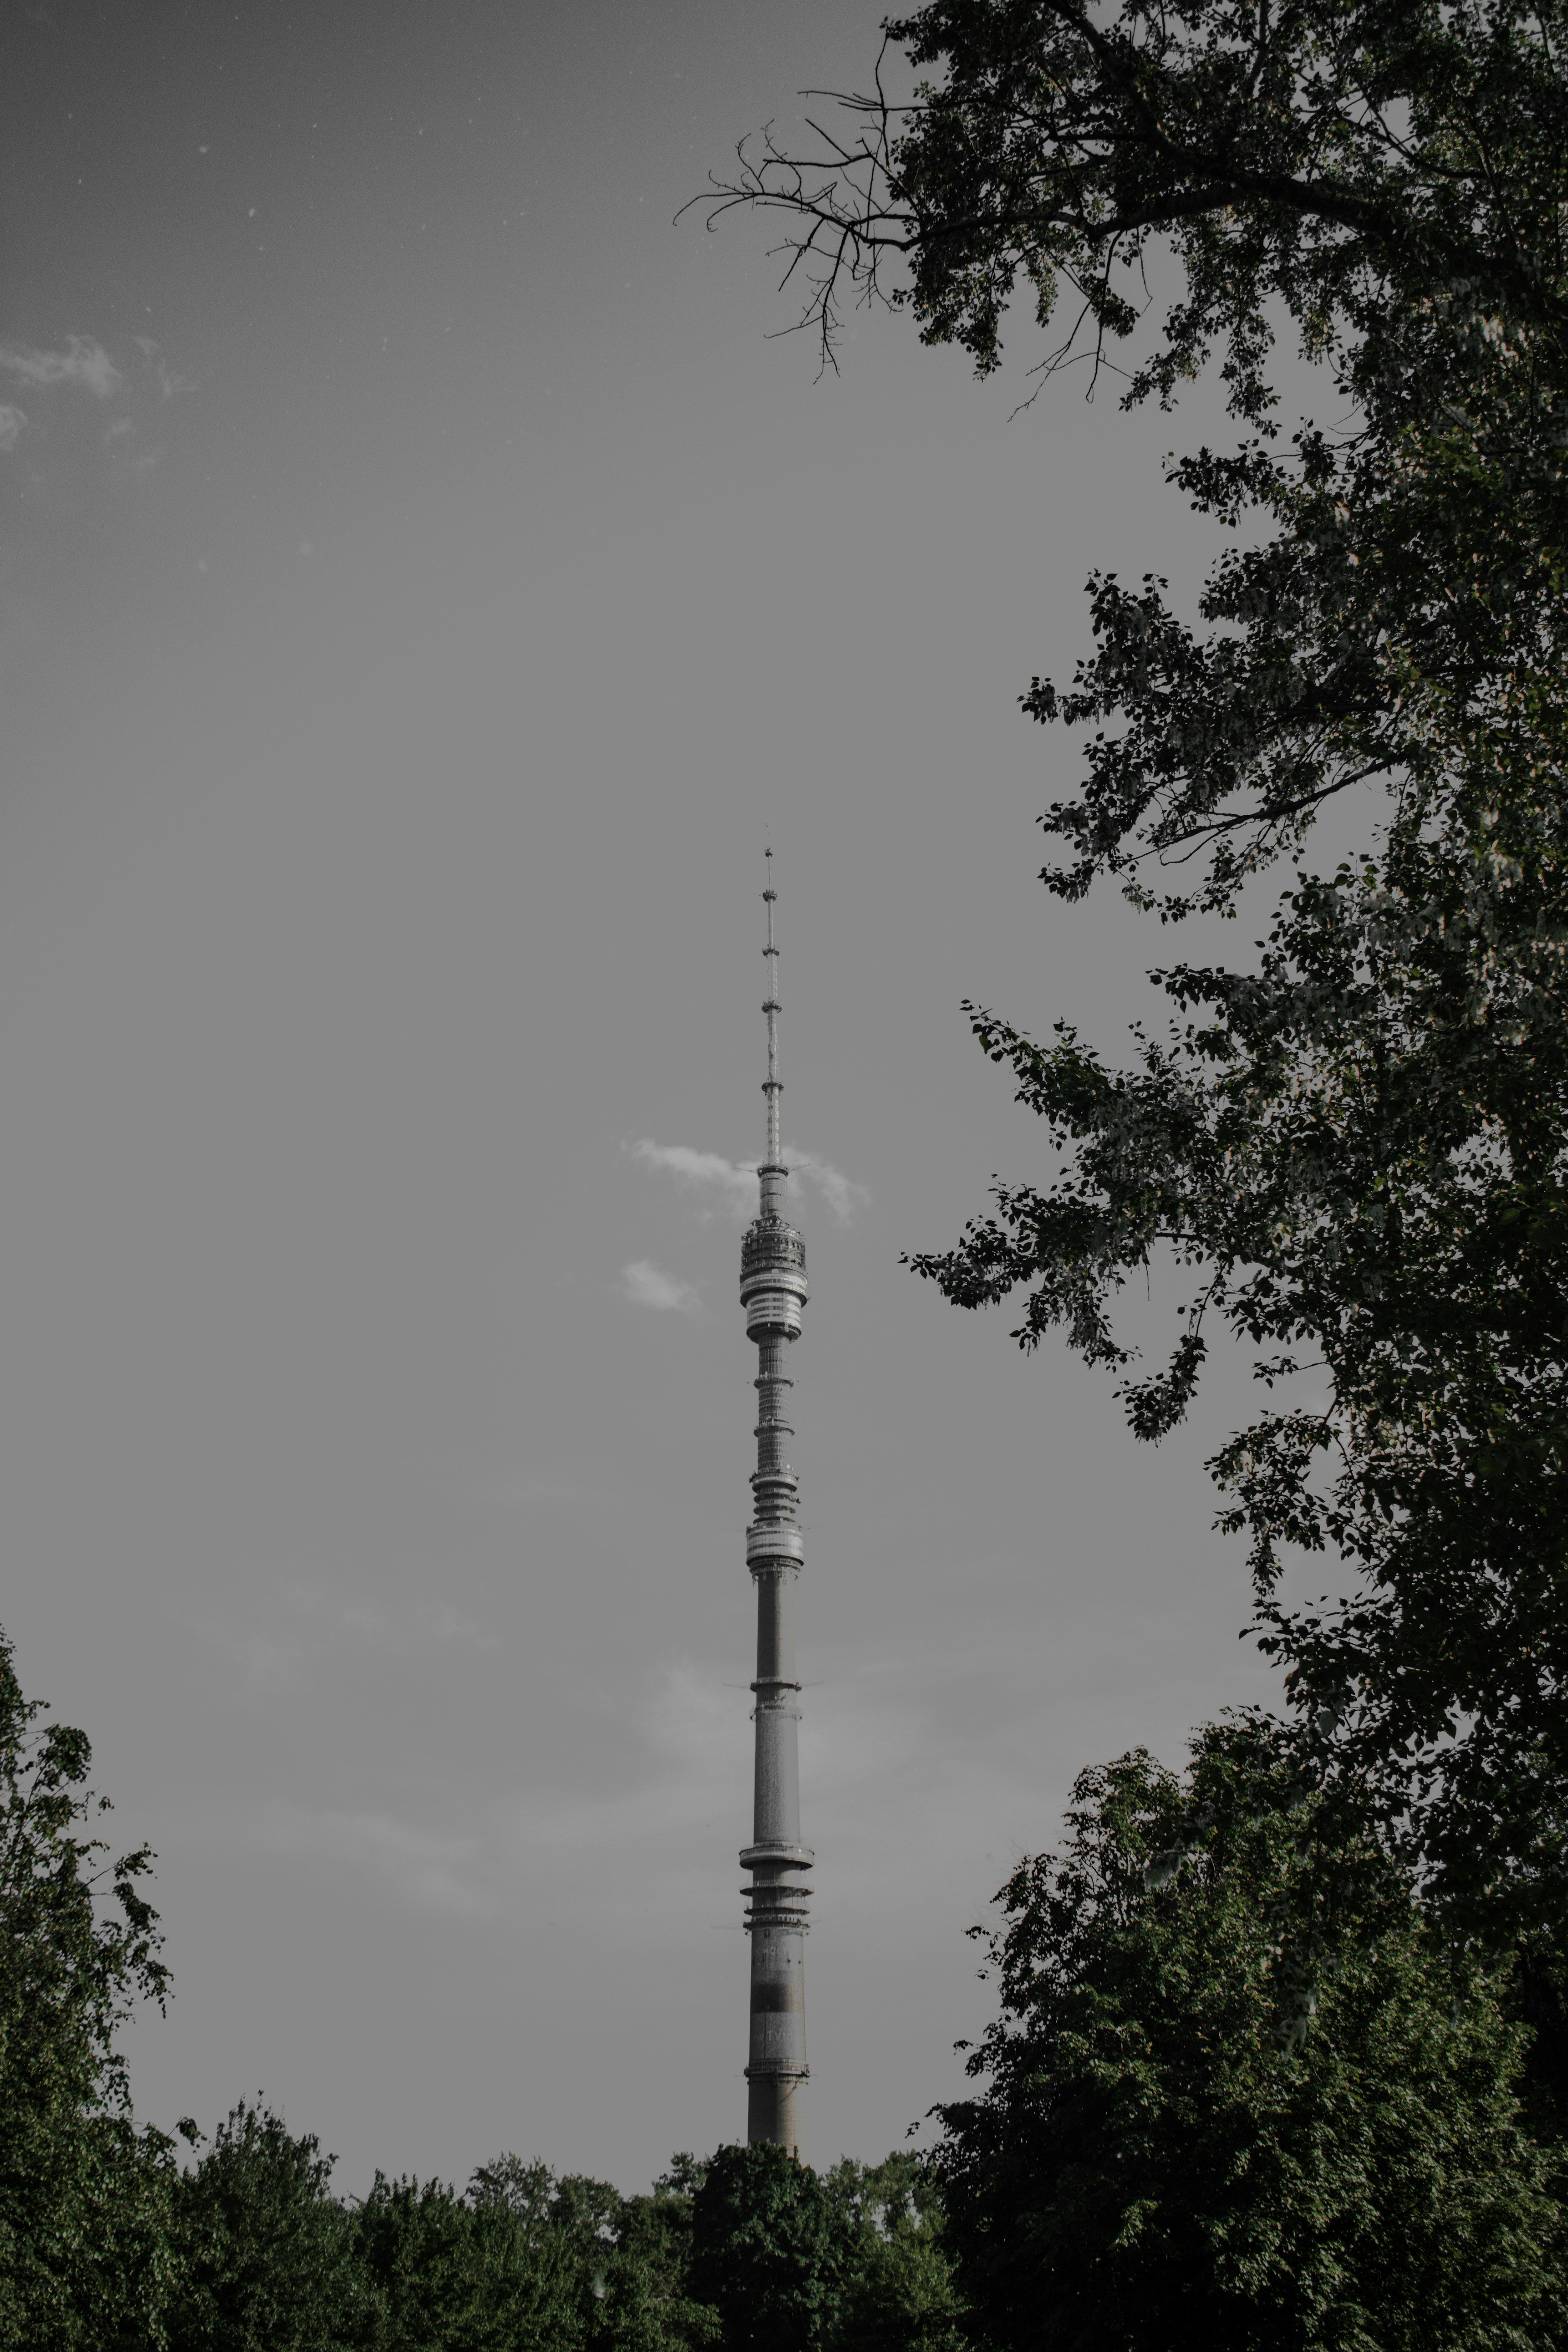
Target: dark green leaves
[1238,2094]
[84,2197]
[1355,1154]
[769,2251]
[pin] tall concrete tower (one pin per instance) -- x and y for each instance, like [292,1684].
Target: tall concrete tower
[772,1292]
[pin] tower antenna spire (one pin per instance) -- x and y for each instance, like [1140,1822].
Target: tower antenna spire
[772,1292]
[773,1085]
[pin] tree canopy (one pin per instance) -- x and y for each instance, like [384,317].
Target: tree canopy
[1239,2094]
[84,2196]
[1353,1147]
[770,2252]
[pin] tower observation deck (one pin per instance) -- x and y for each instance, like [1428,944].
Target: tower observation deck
[773,1293]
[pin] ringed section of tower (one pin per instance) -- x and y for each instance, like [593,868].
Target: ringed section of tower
[773,1293]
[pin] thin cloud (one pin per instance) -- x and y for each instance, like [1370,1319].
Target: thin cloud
[647,1286]
[734,1182]
[163,375]
[124,454]
[841,1193]
[83,360]
[139,390]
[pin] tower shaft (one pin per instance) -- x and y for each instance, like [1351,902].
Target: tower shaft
[772,1292]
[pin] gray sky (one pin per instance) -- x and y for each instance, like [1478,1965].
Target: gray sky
[425,588]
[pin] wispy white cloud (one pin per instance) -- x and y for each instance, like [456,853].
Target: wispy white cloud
[140,390]
[128,452]
[841,1193]
[83,360]
[647,1286]
[734,1182]
[163,376]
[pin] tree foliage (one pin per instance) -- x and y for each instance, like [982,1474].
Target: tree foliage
[1364,1192]
[265,2255]
[269,2256]
[84,2194]
[1239,2093]
[901,2296]
[1354,1149]
[475,2275]
[769,2250]
[647,2301]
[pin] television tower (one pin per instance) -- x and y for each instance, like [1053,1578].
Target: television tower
[772,1292]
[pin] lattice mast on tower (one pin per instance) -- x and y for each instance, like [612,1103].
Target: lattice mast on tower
[772,1292]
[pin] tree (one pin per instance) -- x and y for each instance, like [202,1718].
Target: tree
[623,2263]
[84,2194]
[478,2274]
[901,2296]
[773,2251]
[1327,1151]
[267,2253]
[1239,2094]
[647,2301]
[1356,1151]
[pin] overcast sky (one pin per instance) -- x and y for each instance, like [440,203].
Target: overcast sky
[426,588]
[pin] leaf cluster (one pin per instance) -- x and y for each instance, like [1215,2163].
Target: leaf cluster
[851,2260]
[1239,2093]
[84,2194]
[1356,1154]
